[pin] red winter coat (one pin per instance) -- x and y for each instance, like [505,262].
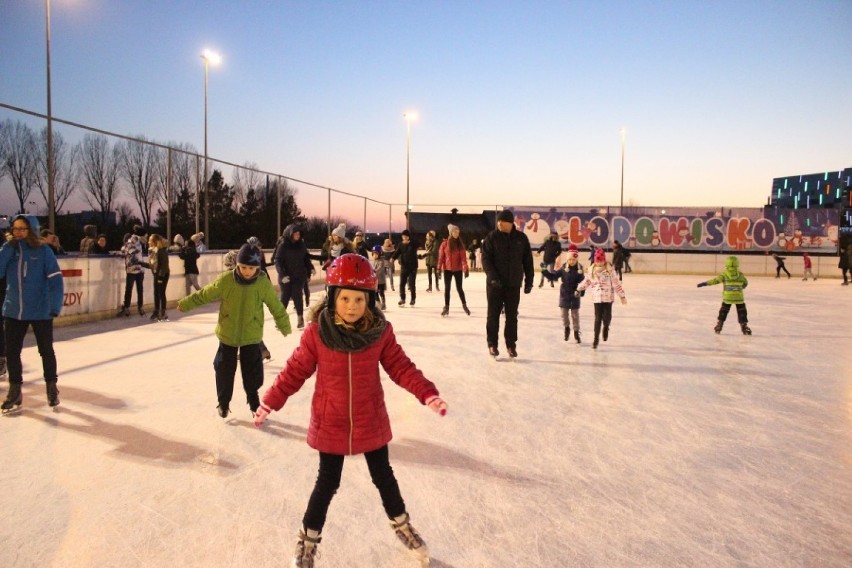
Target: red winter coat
[348,413]
[452,261]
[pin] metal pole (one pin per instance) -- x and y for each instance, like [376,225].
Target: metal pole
[328,217]
[622,172]
[197,191]
[278,205]
[365,217]
[169,194]
[51,176]
[407,171]
[390,220]
[206,181]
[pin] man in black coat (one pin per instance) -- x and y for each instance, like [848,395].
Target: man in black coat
[294,267]
[406,252]
[551,249]
[507,261]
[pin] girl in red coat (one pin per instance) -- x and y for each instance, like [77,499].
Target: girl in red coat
[452,261]
[344,343]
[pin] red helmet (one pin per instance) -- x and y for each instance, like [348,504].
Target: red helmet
[352,271]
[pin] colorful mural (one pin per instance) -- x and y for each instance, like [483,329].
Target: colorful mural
[764,229]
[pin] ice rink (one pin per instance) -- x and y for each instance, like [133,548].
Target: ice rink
[667,446]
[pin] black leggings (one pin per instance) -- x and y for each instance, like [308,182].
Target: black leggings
[603,314]
[15,331]
[328,481]
[448,277]
[779,268]
[742,313]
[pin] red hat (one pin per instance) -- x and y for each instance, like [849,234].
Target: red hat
[600,255]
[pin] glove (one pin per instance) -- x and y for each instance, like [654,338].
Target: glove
[543,265]
[437,405]
[285,279]
[527,288]
[623,301]
[701,284]
[466,273]
[576,293]
[261,414]
[54,315]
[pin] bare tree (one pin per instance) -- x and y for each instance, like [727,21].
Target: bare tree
[124,211]
[139,163]
[244,179]
[64,173]
[19,158]
[99,172]
[183,173]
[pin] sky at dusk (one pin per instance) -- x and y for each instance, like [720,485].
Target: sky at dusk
[518,103]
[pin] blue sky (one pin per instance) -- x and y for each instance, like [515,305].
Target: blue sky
[518,102]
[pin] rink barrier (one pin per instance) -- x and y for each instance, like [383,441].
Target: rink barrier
[94,285]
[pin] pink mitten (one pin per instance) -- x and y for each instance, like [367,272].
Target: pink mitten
[261,414]
[437,405]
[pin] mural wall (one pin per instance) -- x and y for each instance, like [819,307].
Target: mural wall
[765,229]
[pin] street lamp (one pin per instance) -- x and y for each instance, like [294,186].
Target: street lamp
[623,133]
[409,116]
[51,177]
[209,57]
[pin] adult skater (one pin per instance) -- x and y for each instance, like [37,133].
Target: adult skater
[34,295]
[344,343]
[779,265]
[551,248]
[507,262]
[293,263]
[406,252]
[734,283]
[452,261]
[431,249]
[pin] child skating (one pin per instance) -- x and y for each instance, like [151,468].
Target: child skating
[382,267]
[571,274]
[806,259]
[243,291]
[346,339]
[734,283]
[604,284]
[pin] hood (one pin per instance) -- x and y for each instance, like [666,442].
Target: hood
[90,231]
[732,266]
[31,220]
[289,230]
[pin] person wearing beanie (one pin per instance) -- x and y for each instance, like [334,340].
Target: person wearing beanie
[431,247]
[189,254]
[34,296]
[618,258]
[551,249]
[381,266]
[387,252]
[508,264]
[572,274]
[336,245]
[158,260]
[605,286]
[452,262]
[734,284]
[199,242]
[134,268]
[406,252]
[806,259]
[87,245]
[242,293]
[348,336]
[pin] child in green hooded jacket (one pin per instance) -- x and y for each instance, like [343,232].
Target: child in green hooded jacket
[734,283]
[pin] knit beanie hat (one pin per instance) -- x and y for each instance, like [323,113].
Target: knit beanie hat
[506,215]
[340,231]
[178,240]
[451,228]
[600,255]
[573,252]
[248,256]
[406,233]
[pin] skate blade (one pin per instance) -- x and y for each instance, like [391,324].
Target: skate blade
[12,411]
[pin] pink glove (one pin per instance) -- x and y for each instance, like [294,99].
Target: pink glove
[261,414]
[437,405]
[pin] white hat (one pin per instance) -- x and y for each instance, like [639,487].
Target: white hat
[340,231]
[451,228]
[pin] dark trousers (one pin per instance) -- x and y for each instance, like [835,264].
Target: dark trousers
[293,290]
[433,270]
[2,337]
[742,313]
[129,280]
[381,292]
[160,283]
[778,270]
[448,277]
[328,481]
[500,298]
[603,315]
[15,332]
[251,367]
[407,276]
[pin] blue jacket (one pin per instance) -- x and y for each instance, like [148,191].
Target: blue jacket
[34,286]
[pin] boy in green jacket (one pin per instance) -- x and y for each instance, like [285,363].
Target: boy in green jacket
[734,283]
[242,292]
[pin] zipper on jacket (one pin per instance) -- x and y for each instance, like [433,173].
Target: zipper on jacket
[22,268]
[351,419]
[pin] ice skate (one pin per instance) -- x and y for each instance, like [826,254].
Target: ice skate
[445,311]
[223,410]
[577,336]
[2,366]
[123,312]
[746,329]
[409,537]
[567,333]
[464,307]
[401,303]
[14,399]
[265,354]
[306,549]
[301,324]
[595,343]
[141,311]
[493,351]
[606,332]
[718,328]
[154,316]
[513,353]
[411,303]
[384,306]
[52,394]
[163,316]
[253,401]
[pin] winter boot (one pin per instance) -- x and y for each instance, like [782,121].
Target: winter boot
[605,332]
[384,306]
[2,365]
[445,311]
[123,312]
[163,316]
[408,536]
[223,409]
[306,549]
[595,343]
[464,307]
[401,302]
[13,398]
[746,329]
[301,323]
[141,311]
[567,333]
[52,393]
[493,351]
[577,336]
[154,316]
[512,352]
[718,328]
[253,401]
[265,354]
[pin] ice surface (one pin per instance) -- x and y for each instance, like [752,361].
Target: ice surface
[668,446]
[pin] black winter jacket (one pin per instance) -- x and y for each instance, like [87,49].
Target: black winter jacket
[552,249]
[291,257]
[571,277]
[507,259]
[407,255]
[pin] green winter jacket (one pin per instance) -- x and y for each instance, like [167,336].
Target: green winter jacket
[734,282]
[241,308]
